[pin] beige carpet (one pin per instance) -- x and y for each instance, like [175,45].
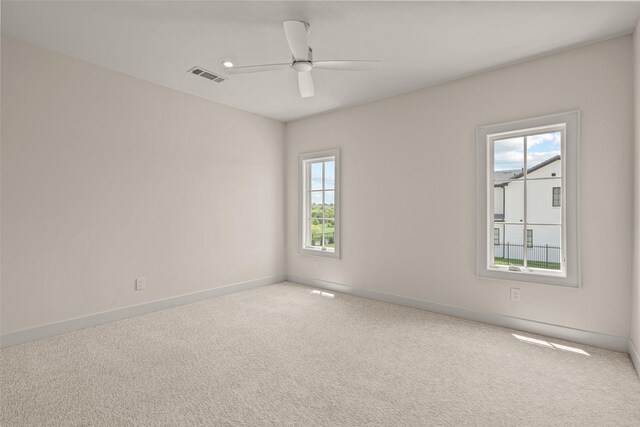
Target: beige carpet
[279,355]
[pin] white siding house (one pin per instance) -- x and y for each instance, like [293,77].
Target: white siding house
[544,214]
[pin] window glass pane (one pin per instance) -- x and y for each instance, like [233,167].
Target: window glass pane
[316,204]
[329,234]
[329,197]
[545,251]
[510,251]
[540,201]
[316,176]
[499,199]
[330,175]
[508,201]
[541,149]
[315,235]
[329,207]
[508,158]
[329,210]
[496,236]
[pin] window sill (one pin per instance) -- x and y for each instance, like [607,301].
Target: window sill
[532,275]
[319,252]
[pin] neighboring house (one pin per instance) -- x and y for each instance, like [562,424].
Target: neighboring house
[544,213]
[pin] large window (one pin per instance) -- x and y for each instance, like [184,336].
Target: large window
[319,177]
[519,165]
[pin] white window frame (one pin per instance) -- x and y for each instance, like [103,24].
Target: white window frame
[303,215]
[569,123]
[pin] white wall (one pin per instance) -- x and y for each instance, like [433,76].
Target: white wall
[635,299]
[106,177]
[408,178]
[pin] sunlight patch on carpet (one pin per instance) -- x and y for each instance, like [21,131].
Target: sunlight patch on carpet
[547,344]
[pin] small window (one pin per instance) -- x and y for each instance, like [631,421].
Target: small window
[319,176]
[519,164]
[556,196]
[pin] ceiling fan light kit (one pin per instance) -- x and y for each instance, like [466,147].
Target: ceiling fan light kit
[297,33]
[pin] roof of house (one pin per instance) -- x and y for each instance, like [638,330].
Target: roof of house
[538,166]
[505,175]
[518,173]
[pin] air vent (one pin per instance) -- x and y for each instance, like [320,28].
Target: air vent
[207,74]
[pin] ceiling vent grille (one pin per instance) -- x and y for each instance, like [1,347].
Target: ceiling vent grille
[198,71]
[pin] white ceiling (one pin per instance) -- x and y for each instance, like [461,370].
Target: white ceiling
[420,43]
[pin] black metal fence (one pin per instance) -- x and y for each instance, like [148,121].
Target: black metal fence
[538,256]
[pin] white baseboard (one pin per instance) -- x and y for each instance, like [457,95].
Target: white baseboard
[44,331]
[635,357]
[595,339]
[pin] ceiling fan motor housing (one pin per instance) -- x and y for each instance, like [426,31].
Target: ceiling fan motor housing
[302,66]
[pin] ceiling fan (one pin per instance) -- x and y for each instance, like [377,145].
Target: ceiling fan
[297,33]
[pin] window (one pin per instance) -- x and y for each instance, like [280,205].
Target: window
[556,196]
[319,219]
[519,164]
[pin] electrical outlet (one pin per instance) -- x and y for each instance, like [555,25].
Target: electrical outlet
[515,295]
[140,283]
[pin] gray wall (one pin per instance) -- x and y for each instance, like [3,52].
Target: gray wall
[106,177]
[408,195]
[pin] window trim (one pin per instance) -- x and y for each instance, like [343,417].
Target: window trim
[303,158]
[569,200]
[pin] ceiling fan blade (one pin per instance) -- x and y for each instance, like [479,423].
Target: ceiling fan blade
[354,65]
[256,68]
[296,33]
[305,83]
